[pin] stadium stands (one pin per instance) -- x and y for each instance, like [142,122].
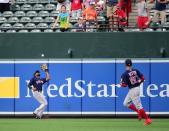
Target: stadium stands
[39,15]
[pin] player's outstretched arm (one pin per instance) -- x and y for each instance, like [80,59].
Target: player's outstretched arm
[47,75]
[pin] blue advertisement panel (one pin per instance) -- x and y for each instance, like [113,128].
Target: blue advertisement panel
[159,88]
[82,86]
[7,87]
[25,71]
[121,92]
[100,94]
[64,88]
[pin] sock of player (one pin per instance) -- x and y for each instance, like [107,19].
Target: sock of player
[132,107]
[143,113]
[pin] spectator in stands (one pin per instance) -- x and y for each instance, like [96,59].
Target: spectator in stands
[143,18]
[111,7]
[126,5]
[90,16]
[63,2]
[79,26]
[100,7]
[63,19]
[160,9]
[120,17]
[4,5]
[76,8]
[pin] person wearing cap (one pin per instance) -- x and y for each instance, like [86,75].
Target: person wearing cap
[79,26]
[35,85]
[133,78]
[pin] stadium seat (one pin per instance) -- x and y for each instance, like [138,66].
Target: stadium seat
[11,31]
[48,30]
[18,26]
[33,1]
[3,20]
[30,26]
[6,26]
[19,14]
[25,20]
[53,1]
[26,7]
[31,14]
[20,1]
[13,20]
[42,26]
[38,7]
[44,1]
[51,25]
[23,31]
[37,19]
[50,7]
[54,13]
[16,7]
[35,30]
[43,13]
[8,14]
[49,19]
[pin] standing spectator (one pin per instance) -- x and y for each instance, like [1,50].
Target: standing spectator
[120,17]
[79,26]
[143,18]
[90,15]
[160,9]
[111,7]
[63,2]
[4,5]
[63,19]
[126,5]
[76,8]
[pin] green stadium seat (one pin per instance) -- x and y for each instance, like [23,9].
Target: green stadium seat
[37,19]
[30,26]
[6,26]
[26,7]
[43,13]
[54,13]
[31,13]
[20,1]
[13,20]
[38,7]
[3,20]
[35,30]
[25,20]
[49,19]
[11,31]
[18,26]
[32,1]
[23,31]
[48,30]
[42,26]
[19,14]
[50,7]
[8,14]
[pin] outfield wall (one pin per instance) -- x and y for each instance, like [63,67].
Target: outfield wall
[82,86]
[84,45]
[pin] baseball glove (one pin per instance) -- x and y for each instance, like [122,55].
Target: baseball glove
[44,67]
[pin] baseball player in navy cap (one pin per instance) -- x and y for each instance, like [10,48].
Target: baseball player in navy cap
[133,78]
[35,85]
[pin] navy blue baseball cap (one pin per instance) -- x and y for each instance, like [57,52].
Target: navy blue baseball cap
[128,62]
[37,71]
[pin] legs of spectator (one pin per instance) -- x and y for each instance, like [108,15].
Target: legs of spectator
[156,16]
[163,17]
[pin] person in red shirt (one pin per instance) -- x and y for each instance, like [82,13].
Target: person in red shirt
[120,17]
[76,8]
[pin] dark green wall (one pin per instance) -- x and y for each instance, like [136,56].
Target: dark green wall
[84,45]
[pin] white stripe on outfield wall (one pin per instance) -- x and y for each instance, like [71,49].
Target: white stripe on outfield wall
[84,113]
[83,61]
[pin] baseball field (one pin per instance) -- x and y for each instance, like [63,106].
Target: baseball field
[82,125]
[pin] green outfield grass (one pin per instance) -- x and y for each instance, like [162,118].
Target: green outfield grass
[81,125]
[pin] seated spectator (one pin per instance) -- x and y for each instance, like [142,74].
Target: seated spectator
[120,17]
[76,8]
[63,19]
[4,5]
[79,26]
[143,18]
[160,9]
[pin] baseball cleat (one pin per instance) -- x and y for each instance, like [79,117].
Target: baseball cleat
[148,121]
[34,114]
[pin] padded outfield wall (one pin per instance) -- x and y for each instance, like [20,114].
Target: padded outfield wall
[82,87]
[84,45]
